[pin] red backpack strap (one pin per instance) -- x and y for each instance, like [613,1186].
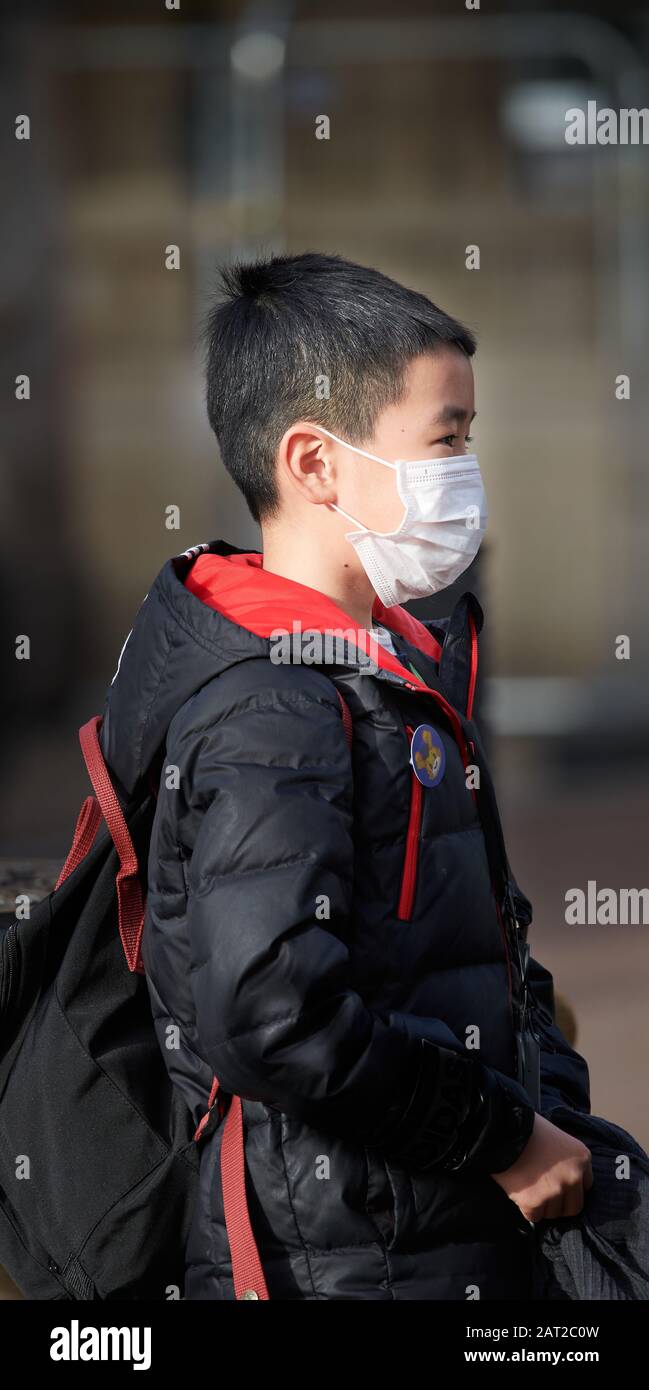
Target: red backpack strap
[247,1271]
[347,718]
[248,1275]
[88,822]
[201,1126]
[473,672]
[130,905]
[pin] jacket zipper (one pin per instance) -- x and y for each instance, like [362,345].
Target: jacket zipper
[409,874]
[410,865]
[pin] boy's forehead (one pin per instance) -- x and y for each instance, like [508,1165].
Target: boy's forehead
[442,383]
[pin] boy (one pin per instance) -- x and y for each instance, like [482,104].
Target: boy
[324,930]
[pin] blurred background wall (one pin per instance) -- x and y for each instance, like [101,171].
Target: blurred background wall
[195,126]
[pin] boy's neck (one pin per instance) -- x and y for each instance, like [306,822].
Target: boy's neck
[304,561]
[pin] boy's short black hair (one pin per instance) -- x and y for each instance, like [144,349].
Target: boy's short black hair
[285,326]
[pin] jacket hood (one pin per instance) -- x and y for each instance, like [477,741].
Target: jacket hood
[210,608]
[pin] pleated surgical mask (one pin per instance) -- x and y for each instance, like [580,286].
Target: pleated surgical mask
[440,533]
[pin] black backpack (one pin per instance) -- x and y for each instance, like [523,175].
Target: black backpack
[98,1150]
[98,1163]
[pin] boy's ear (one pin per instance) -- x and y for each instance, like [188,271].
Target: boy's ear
[305,462]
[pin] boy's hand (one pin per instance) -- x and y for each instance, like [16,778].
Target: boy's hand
[551,1176]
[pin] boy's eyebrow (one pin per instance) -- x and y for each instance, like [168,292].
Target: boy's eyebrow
[451,414]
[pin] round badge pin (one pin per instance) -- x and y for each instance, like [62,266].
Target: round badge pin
[427,755]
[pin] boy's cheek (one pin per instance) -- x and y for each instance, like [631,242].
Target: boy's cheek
[379,506]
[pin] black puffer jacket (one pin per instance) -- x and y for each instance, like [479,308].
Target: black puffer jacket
[313,913]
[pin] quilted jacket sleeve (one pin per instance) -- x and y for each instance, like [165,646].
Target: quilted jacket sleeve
[265,805]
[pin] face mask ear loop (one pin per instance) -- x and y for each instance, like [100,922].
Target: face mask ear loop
[354,450]
[358,524]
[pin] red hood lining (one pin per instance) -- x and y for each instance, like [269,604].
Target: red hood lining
[238,586]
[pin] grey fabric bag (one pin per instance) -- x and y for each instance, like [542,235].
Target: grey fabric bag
[603,1253]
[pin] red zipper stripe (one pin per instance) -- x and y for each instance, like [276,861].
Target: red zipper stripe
[409,876]
[474,666]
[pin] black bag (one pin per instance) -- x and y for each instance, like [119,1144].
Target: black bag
[98,1164]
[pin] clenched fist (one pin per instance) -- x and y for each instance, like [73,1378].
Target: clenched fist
[551,1176]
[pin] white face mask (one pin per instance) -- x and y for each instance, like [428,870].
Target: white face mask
[444,520]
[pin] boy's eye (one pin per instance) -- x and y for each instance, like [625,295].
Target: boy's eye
[449,440]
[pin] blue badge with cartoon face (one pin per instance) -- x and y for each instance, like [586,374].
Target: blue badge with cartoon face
[427,755]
